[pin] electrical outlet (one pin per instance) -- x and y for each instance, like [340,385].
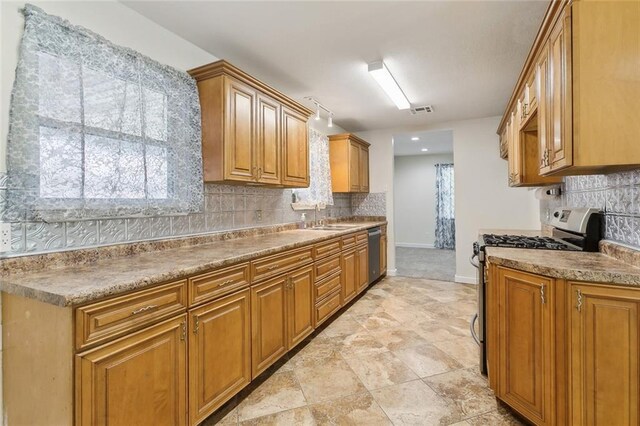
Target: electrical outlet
[258,216]
[5,237]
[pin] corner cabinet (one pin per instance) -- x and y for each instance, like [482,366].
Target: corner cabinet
[251,133]
[582,118]
[349,156]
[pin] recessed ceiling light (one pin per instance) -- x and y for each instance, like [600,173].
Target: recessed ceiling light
[415,138]
[383,77]
[424,149]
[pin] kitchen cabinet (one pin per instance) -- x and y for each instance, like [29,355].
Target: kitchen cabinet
[383,254]
[219,353]
[362,268]
[581,64]
[139,379]
[349,157]
[349,275]
[299,306]
[251,133]
[525,344]
[603,355]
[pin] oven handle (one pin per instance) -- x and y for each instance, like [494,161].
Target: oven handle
[473,329]
[475,264]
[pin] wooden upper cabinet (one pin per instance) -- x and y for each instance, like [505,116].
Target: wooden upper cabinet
[349,157]
[138,379]
[584,64]
[251,133]
[268,147]
[603,356]
[525,346]
[295,144]
[219,353]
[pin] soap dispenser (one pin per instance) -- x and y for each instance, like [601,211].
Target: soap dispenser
[303,223]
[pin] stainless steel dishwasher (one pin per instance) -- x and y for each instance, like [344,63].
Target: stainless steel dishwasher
[374,253]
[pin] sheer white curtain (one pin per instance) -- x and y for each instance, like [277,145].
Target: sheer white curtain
[319,191]
[445,207]
[99,130]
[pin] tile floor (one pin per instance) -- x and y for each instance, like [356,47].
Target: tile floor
[400,355]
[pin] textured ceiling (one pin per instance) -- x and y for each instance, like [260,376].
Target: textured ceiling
[437,142]
[461,57]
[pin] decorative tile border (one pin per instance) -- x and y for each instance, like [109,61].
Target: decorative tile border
[226,207]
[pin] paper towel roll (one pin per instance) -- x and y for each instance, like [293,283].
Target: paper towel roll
[547,193]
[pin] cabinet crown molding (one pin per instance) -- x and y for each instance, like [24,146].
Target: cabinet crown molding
[344,136]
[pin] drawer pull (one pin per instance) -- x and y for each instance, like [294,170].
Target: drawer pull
[227,282]
[144,309]
[272,267]
[579,297]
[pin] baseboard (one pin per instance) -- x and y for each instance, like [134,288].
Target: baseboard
[415,245]
[392,272]
[465,280]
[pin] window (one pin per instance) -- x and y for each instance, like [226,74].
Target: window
[98,130]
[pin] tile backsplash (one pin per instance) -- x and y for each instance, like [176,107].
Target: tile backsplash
[617,194]
[226,207]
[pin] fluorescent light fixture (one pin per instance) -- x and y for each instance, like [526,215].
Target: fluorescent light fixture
[424,149]
[415,138]
[330,121]
[381,74]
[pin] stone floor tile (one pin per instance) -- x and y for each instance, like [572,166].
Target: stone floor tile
[377,321]
[398,338]
[427,360]
[298,416]
[279,392]
[342,326]
[227,415]
[415,403]
[380,370]
[467,389]
[327,380]
[462,349]
[495,418]
[358,409]
[436,331]
[314,351]
[358,344]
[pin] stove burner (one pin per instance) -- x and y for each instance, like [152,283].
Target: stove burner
[521,241]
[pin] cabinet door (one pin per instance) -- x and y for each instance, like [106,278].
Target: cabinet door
[560,100]
[364,169]
[362,267]
[219,353]
[268,323]
[544,150]
[239,131]
[515,154]
[299,306]
[354,167]
[267,148]
[604,355]
[139,379]
[383,254]
[349,275]
[525,346]
[295,145]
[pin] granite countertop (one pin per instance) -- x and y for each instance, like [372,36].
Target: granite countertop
[570,265]
[79,284]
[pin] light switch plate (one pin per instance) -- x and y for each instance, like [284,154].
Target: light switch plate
[5,237]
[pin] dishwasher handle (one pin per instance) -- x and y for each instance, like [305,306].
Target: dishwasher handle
[375,233]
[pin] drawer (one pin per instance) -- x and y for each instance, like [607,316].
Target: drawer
[326,248]
[279,263]
[102,321]
[348,241]
[327,267]
[328,307]
[326,286]
[218,283]
[362,237]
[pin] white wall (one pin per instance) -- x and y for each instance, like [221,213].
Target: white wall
[483,198]
[112,20]
[414,189]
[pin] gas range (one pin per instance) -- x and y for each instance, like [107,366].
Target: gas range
[523,241]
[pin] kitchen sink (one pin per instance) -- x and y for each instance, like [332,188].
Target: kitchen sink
[332,227]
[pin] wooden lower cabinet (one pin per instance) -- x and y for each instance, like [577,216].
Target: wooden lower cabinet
[268,323]
[362,268]
[299,306]
[525,346]
[383,254]
[219,353]
[138,379]
[349,275]
[603,355]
